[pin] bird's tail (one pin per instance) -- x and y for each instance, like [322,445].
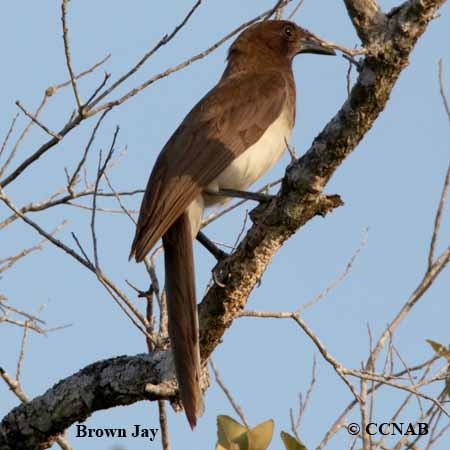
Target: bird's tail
[182,309]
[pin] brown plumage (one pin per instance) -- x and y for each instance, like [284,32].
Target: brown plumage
[228,140]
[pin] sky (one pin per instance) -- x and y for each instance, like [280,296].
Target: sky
[390,185]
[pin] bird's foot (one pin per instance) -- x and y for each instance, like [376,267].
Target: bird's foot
[211,247]
[256,196]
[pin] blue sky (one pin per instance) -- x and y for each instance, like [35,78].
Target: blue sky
[390,185]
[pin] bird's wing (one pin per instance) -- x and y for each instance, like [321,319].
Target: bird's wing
[227,121]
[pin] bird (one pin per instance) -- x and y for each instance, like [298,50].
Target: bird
[229,139]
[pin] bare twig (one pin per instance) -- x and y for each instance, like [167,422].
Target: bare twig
[438,218]
[336,426]
[295,424]
[371,367]
[291,151]
[163,41]
[410,376]
[150,265]
[336,282]
[72,123]
[423,286]
[50,203]
[365,436]
[442,89]
[74,177]
[123,208]
[238,238]
[22,137]
[28,316]
[117,295]
[44,148]
[14,386]
[8,134]
[406,401]
[296,8]
[163,316]
[80,247]
[99,88]
[31,326]
[432,412]
[346,50]
[68,55]
[279,11]
[100,172]
[434,269]
[164,425]
[227,393]
[37,121]
[389,361]
[339,369]
[436,436]
[52,89]
[42,232]
[11,260]
[337,366]
[22,352]
[410,389]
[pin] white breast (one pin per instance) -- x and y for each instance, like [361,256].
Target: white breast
[255,161]
[246,169]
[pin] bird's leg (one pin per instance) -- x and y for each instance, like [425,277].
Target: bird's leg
[211,247]
[256,196]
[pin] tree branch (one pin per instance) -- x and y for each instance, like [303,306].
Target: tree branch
[367,18]
[300,198]
[102,385]
[122,381]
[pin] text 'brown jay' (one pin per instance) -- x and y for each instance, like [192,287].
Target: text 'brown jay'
[228,140]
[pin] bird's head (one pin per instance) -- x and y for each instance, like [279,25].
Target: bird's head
[280,40]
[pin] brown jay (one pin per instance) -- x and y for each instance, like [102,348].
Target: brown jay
[237,131]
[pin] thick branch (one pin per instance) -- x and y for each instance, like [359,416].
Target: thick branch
[113,382]
[367,18]
[300,198]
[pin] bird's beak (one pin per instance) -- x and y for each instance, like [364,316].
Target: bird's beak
[313,44]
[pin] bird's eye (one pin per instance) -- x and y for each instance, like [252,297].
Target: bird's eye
[288,31]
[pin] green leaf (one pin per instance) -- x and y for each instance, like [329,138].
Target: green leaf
[290,442]
[233,446]
[259,437]
[231,435]
[440,349]
[447,381]
[228,430]
[242,441]
[444,352]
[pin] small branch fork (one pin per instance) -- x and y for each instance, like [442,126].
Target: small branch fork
[238,410]
[303,404]
[128,308]
[68,55]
